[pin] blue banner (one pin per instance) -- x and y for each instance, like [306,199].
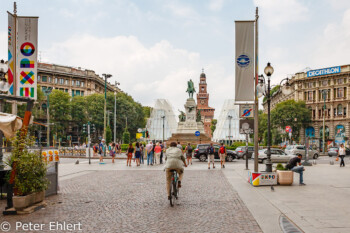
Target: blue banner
[331,70]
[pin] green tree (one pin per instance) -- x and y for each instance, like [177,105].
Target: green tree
[291,113]
[126,136]
[60,111]
[213,125]
[108,135]
[147,111]
[262,126]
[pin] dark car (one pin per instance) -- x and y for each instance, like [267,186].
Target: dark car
[201,153]
[333,151]
[241,152]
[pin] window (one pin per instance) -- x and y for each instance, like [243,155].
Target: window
[324,83]
[340,92]
[77,83]
[340,81]
[77,92]
[82,84]
[66,90]
[72,93]
[56,80]
[61,81]
[82,93]
[339,110]
[49,79]
[309,85]
[44,79]
[39,78]
[67,82]
[309,95]
[72,82]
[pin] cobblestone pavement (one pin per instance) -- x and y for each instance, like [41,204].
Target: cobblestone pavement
[135,201]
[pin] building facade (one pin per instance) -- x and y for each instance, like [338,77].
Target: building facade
[207,113]
[326,93]
[75,81]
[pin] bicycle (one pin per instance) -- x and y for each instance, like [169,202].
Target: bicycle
[174,189]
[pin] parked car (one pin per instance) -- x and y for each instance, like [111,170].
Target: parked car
[333,151]
[300,149]
[277,156]
[241,152]
[201,153]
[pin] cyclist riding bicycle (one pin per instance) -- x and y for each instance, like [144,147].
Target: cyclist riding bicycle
[174,161]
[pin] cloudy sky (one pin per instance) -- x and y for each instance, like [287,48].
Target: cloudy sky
[152,47]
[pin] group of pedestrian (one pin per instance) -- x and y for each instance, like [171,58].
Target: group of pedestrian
[101,149]
[155,152]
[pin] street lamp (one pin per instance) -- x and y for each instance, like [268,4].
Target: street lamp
[324,93]
[268,71]
[47,92]
[229,128]
[163,117]
[115,111]
[107,76]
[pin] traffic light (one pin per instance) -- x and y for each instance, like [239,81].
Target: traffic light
[93,128]
[84,128]
[147,134]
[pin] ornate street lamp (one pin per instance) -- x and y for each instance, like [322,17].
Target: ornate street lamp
[115,111]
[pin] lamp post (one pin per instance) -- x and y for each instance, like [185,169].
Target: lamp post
[4,86]
[115,112]
[324,93]
[268,71]
[229,129]
[106,76]
[47,93]
[163,117]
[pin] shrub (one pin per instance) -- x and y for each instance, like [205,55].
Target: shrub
[280,167]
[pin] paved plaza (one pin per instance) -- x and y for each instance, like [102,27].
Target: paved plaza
[117,198]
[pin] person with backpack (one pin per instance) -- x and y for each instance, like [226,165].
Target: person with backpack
[101,149]
[189,151]
[211,156]
[222,154]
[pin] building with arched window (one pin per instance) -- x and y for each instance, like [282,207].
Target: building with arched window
[326,92]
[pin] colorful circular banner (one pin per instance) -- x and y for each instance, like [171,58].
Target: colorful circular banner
[27,49]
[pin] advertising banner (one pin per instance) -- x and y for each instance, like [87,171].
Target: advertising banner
[339,134]
[11,51]
[27,50]
[244,88]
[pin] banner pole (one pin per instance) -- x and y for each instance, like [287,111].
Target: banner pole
[256,102]
[14,103]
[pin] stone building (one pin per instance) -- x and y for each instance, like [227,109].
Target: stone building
[75,81]
[207,113]
[309,86]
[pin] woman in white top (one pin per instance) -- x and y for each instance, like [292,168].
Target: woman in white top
[341,154]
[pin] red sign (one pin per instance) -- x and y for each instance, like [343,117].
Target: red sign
[288,129]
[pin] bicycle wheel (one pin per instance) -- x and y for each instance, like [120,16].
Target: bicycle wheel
[172,199]
[175,188]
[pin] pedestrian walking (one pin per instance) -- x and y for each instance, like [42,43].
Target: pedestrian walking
[222,154]
[95,149]
[292,165]
[341,154]
[101,149]
[137,153]
[179,146]
[112,151]
[153,158]
[149,151]
[157,152]
[142,153]
[130,152]
[211,152]
[189,151]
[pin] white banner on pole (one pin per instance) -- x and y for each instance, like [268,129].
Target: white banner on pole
[11,51]
[27,50]
[244,89]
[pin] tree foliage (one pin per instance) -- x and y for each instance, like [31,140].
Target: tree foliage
[213,125]
[126,136]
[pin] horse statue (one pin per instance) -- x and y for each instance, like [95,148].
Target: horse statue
[190,89]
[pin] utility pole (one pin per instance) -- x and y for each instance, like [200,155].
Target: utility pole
[47,93]
[163,117]
[89,141]
[107,76]
[229,129]
[115,111]
[324,92]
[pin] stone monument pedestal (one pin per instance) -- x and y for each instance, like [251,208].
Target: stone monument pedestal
[186,129]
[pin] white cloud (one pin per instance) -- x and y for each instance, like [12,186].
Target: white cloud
[339,4]
[216,5]
[3,45]
[146,73]
[275,13]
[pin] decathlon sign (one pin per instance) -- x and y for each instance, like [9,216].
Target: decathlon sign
[331,70]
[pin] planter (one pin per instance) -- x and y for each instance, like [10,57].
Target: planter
[284,177]
[22,202]
[39,196]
